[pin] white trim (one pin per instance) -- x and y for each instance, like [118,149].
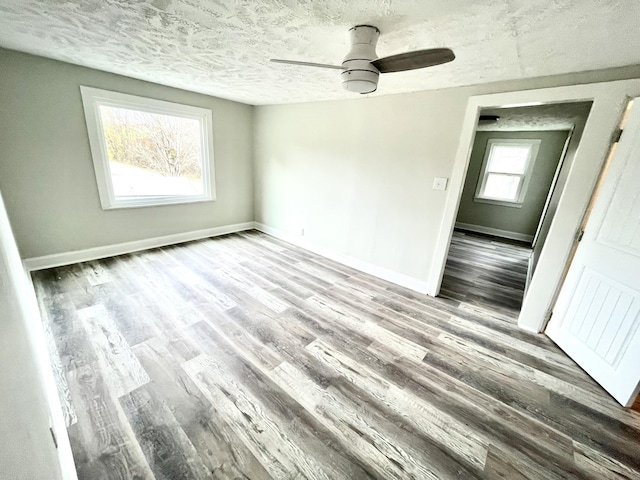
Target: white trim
[529,273]
[57,420]
[29,317]
[554,181]
[528,328]
[532,155]
[68,258]
[609,101]
[93,98]
[77,256]
[496,232]
[406,281]
[501,203]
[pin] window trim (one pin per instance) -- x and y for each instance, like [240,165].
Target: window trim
[93,98]
[534,146]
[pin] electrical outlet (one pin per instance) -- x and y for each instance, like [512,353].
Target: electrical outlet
[302,232]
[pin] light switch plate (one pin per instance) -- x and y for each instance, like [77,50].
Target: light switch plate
[440,183]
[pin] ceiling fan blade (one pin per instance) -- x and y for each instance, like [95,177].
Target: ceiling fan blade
[413,60]
[306,64]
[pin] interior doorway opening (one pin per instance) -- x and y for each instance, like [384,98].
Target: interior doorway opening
[519,163]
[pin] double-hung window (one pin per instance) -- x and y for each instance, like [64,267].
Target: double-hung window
[506,171]
[148,152]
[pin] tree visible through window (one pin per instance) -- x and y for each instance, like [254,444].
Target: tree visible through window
[149,152]
[506,171]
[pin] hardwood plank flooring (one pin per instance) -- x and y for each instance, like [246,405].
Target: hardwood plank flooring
[244,357]
[486,271]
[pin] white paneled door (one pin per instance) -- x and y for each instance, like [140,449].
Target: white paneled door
[596,320]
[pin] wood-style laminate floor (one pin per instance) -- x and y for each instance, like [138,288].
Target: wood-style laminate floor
[486,271]
[244,357]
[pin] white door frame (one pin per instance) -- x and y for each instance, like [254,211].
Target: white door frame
[609,101]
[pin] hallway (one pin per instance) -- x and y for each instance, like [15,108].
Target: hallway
[486,271]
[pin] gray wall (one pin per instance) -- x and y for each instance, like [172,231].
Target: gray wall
[27,449]
[46,171]
[523,220]
[358,174]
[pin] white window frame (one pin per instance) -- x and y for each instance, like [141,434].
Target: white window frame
[93,98]
[534,146]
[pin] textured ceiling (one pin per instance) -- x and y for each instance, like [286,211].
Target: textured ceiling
[553,116]
[222,47]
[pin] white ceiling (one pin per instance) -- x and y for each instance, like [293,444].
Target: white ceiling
[552,116]
[222,47]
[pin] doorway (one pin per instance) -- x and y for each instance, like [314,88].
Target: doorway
[609,102]
[519,163]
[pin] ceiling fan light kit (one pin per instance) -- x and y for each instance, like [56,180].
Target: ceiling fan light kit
[361,67]
[358,74]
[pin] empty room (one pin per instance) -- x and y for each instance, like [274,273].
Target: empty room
[323,240]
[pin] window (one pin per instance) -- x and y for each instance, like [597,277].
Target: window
[148,152]
[506,171]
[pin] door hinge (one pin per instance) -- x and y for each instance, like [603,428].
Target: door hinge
[53,437]
[616,135]
[579,235]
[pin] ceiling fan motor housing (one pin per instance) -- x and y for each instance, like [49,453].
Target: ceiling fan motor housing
[358,74]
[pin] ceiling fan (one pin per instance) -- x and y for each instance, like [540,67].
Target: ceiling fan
[361,67]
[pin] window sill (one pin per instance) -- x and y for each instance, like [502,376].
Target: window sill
[501,203]
[154,202]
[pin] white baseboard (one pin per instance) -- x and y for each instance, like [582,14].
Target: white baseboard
[77,256]
[68,258]
[495,232]
[528,328]
[411,283]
